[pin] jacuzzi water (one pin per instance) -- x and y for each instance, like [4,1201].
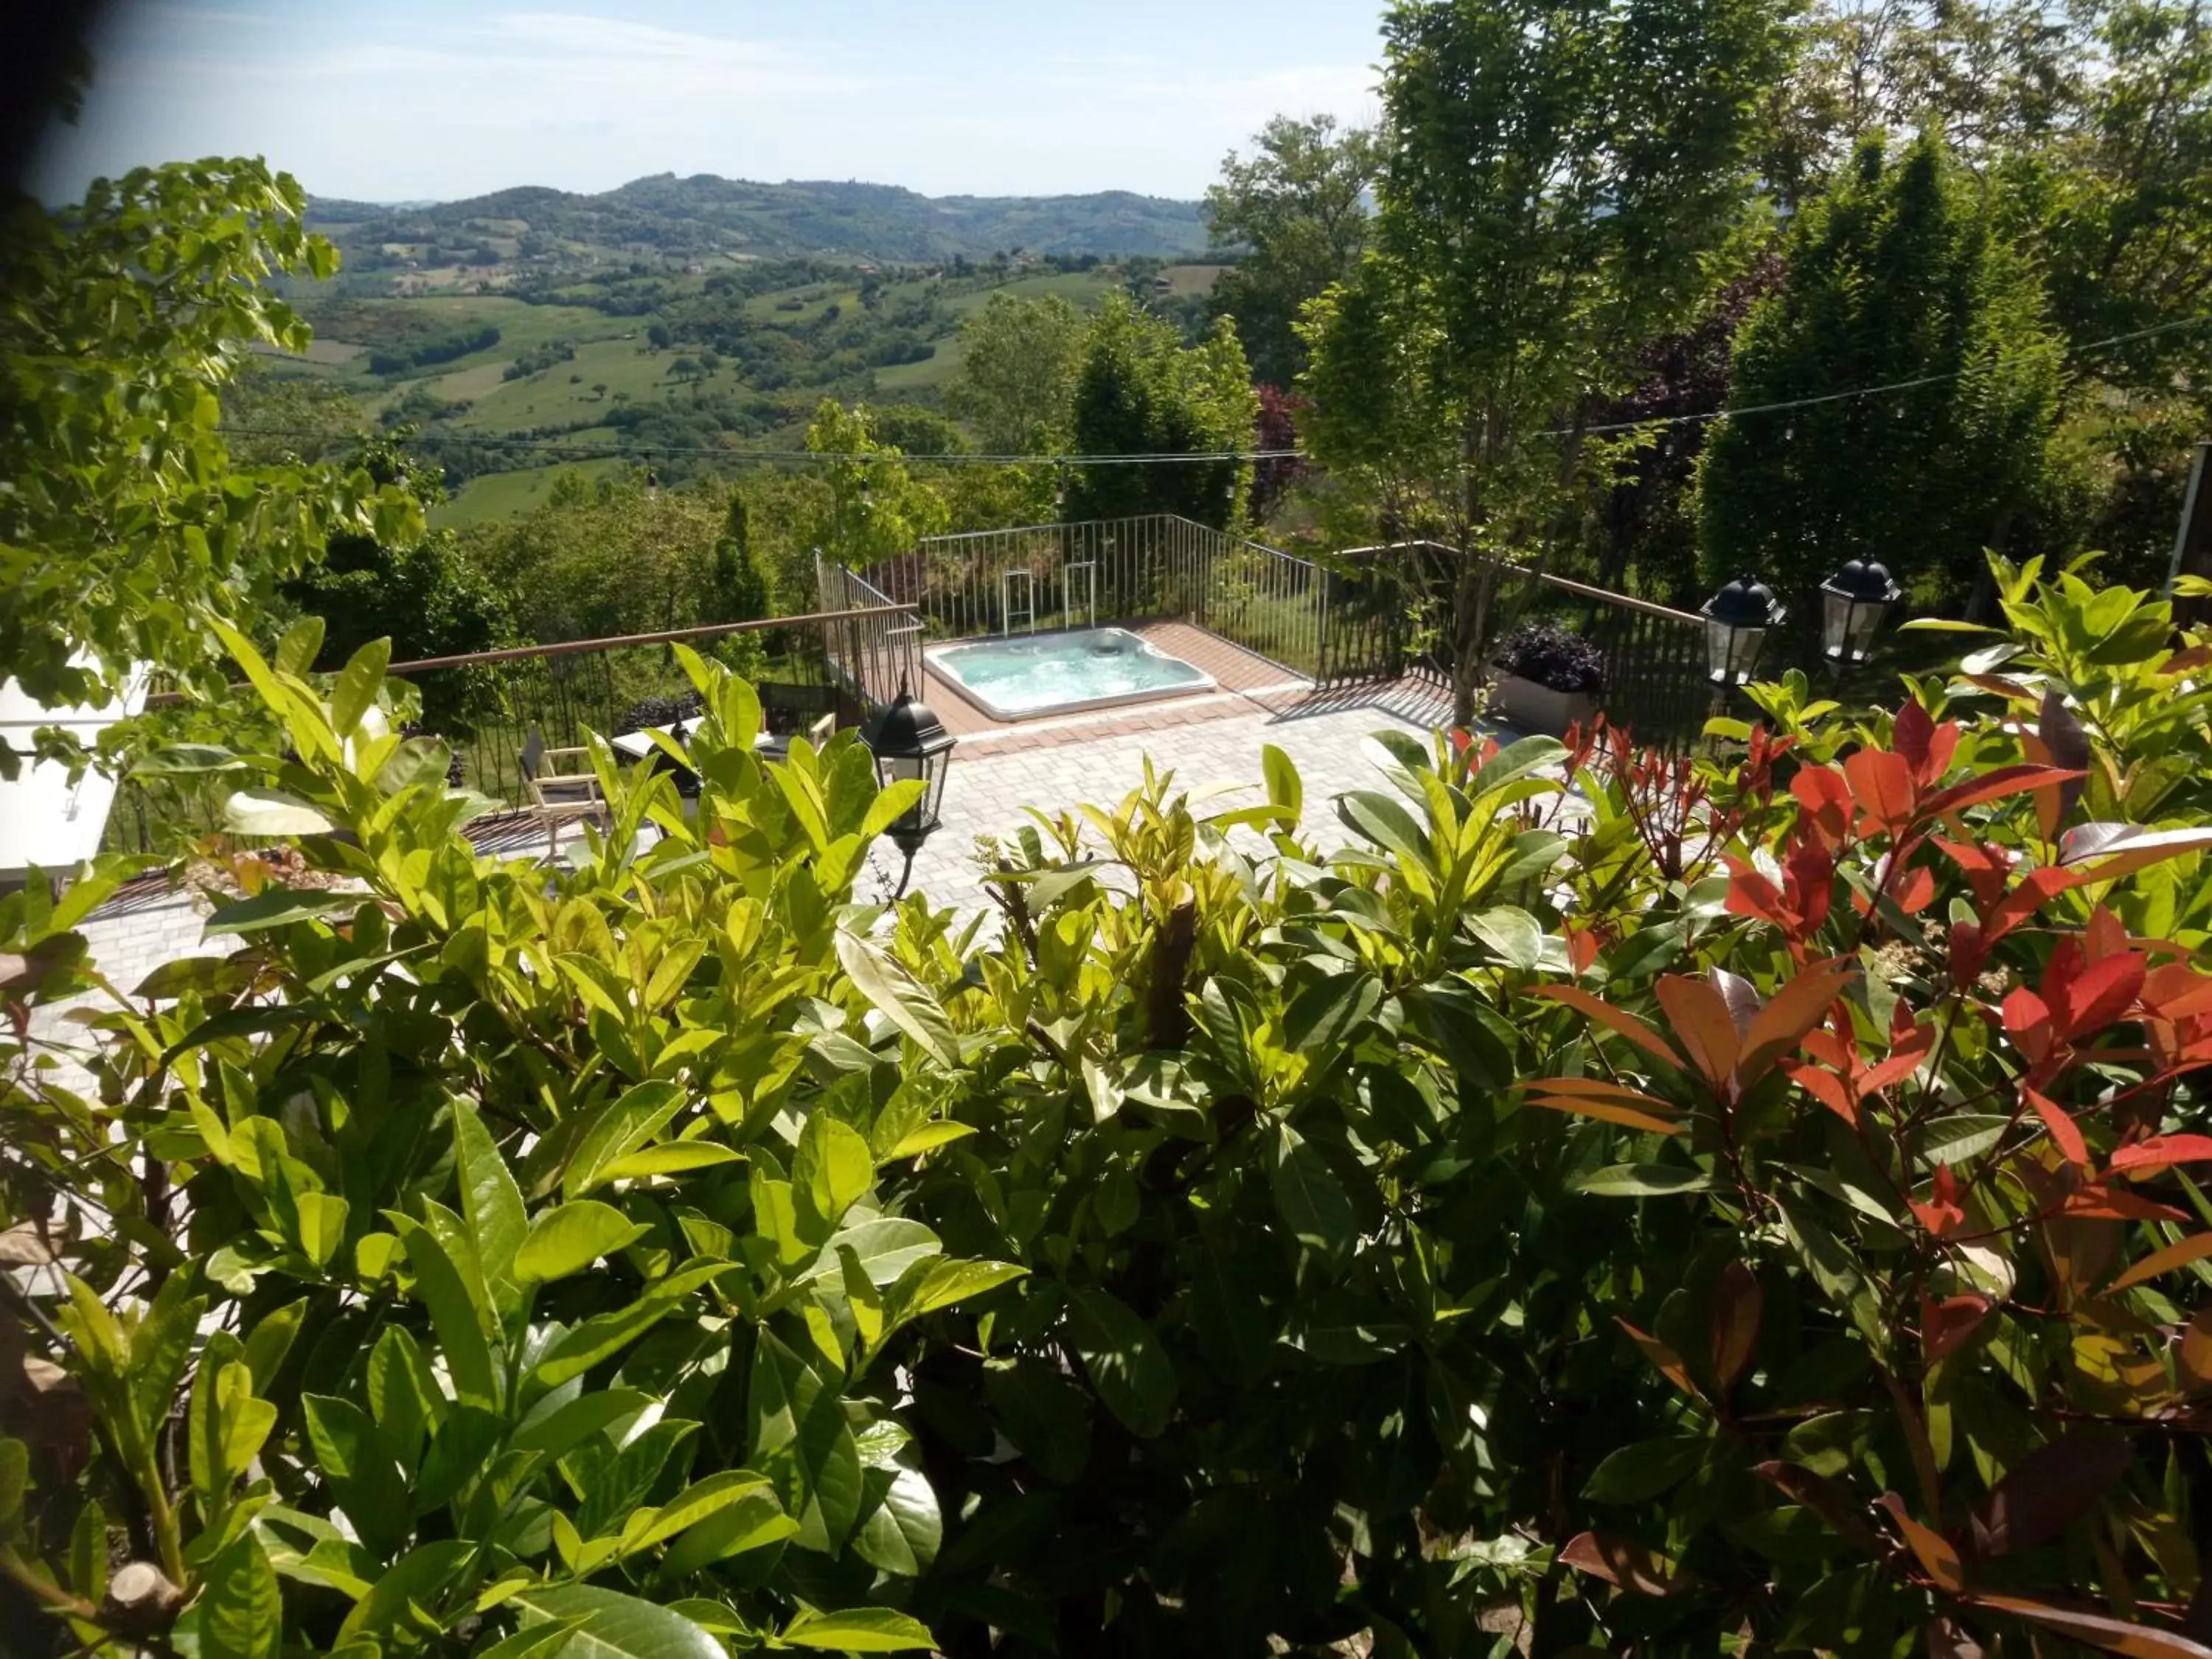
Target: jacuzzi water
[1012,679]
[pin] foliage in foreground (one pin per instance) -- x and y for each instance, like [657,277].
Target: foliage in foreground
[1746,1200]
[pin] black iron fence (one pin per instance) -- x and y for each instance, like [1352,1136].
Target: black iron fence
[846,662]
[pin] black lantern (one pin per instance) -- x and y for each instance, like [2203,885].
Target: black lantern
[1852,604]
[1736,621]
[909,741]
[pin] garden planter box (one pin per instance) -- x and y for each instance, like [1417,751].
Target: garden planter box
[1530,707]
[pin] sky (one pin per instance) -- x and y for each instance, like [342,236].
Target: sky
[407,100]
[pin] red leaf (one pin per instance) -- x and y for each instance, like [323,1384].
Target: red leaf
[2099,996]
[1811,883]
[1702,1021]
[2028,1022]
[2036,888]
[2162,1151]
[2162,1261]
[1790,1014]
[1737,1303]
[1826,1499]
[1916,891]
[1824,799]
[1613,1018]
[2061,1127]
[1665,1359]
[1945,1325]
[1607,1111]
[1996,786]
[1824,1086]
[2101,1201]
[1909,734]
[1936,1557]
[2047,1492]
[1750,894]
[2099,1629]
[1881,783]
[1942,1212]
[1623,1562]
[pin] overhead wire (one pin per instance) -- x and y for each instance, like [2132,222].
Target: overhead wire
[771,457]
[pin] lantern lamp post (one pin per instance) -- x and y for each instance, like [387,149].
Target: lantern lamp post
[909,742]
[1852,602]
[1737,620]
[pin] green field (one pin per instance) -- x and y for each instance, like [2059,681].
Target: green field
[503,495]
[613,367]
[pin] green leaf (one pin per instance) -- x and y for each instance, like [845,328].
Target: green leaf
[15,1481]
[603,1333]
[940,1281]
[1511,931]
[1967,1134]
[302,643]
[275,907]
[885,1246]
[569,1237]
[358,683]
[1285,790]
[575,1421]
[241,1609]
[619,1129]
[440,1287]
[1042,1411]
[491,1203]
[1127,1365]
[272,812]
[1311,1202]
[1387,824]
[1326,1015]
[1642,1181]
[831,1170]
[669,1158]
[1514,763]
[1633,1473]
[899,996]
[695,1503]
[859,1630]
[801,1442]
[612,1625]
[751,1520]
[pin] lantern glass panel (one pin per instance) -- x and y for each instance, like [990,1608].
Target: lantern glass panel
[1732,650]
[1836,618]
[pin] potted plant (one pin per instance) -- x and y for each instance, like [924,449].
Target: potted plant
[1548,677]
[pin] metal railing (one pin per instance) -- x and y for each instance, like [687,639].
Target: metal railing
[848,660]
[1156,566]
[1654,655]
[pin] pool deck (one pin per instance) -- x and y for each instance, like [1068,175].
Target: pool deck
[1240,679]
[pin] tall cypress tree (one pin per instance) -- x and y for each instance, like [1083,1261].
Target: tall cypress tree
[1895,275]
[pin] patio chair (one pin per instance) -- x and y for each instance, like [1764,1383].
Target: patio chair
[558,793]
[777,744]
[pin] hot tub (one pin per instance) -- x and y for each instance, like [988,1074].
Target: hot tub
[1020,679]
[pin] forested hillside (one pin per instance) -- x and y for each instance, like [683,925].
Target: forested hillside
[704,215]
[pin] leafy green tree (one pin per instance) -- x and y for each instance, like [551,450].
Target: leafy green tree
[1559,179]
[126,527]
[1015,383]
[877,508]
[1298,205]
[741,592]
[422,595]
[660,335]
[1895,275]
[1140,391]
[621,557]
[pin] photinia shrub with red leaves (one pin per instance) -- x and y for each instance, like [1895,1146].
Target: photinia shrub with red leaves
[1893,1074]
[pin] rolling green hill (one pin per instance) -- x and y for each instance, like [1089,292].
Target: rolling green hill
[677,318]
[705,216]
